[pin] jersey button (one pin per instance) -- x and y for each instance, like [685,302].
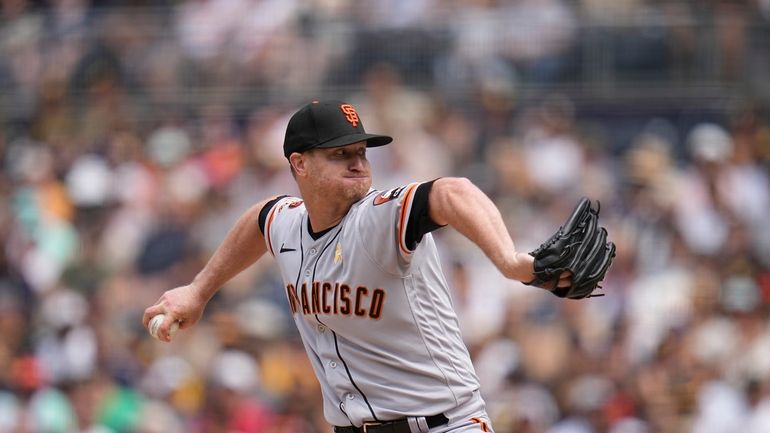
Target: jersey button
[350,396]
[321,328]
[333,364]
[312,251]
[307,273]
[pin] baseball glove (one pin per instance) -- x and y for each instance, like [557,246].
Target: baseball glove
[580,246]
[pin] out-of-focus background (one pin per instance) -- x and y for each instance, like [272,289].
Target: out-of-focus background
[133,134]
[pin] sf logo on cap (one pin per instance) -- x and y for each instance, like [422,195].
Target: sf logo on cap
[350,114]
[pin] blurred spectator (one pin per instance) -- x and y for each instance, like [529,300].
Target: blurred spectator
[134,133]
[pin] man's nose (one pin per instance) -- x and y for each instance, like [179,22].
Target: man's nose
[357,163]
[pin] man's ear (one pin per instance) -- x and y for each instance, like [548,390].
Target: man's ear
[297,161]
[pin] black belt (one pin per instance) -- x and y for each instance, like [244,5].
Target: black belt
[395,426]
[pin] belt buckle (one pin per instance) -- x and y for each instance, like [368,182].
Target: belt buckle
[366,425]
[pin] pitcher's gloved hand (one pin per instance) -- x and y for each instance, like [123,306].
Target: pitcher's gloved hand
[579,247]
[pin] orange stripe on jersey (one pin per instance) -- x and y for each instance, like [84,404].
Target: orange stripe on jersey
[269,222]
[405,205]
[481,423]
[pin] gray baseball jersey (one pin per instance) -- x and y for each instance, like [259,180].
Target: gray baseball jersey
[372,307]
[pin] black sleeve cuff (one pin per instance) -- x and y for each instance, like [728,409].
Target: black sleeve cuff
[265,210]
[419,222]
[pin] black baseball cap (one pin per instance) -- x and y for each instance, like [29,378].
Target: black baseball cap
[327,124]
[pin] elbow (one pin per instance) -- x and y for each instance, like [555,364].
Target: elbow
[454,187]
[447,195]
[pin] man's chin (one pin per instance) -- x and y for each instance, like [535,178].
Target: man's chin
[357,190]
[357,194]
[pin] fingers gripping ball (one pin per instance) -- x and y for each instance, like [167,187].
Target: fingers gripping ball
[155,323]
[580,247]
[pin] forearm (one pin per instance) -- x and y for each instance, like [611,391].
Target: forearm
[242,246]
[462,205]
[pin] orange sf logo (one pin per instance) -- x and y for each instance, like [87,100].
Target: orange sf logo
[350,114]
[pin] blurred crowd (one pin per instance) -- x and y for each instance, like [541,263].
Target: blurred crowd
[135,133]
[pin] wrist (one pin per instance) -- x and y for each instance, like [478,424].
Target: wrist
[518,266]
[200,292]
[524,267]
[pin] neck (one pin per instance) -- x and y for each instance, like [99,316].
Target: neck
[324,212]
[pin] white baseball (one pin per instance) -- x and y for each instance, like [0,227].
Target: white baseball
[155,323]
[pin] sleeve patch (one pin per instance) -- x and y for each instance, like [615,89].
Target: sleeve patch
[388,195]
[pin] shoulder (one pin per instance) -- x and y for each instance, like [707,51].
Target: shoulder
[280,206]
[277,218]
[289,203]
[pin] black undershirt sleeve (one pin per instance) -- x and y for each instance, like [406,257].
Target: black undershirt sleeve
[420,222]
[265,210]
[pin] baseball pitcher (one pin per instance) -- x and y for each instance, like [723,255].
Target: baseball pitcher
[363,280]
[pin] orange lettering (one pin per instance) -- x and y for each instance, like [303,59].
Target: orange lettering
[361,291]
[316,297]
[305,303]
[336,290]
[327,287]
[350,114]
[292,298]
[378,297]
[344,292]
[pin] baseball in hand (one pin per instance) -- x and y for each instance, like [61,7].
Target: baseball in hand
[155,323]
